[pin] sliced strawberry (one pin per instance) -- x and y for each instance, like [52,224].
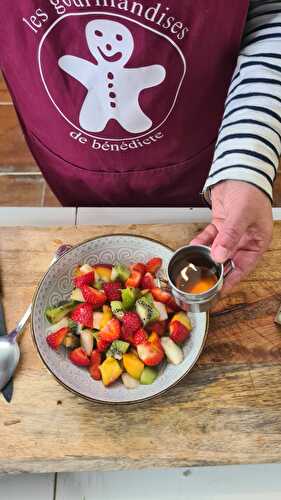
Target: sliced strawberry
[96,358]
[139,267]
[178,332]
[151,353]
[166,298]
[147,282]
[95,372]
[140,337]
[160,327]
[102,345]
[134,280]
[112,290]
[111,331]
[161,295]
[79,357]
[131,324]
[83,314]
[95,297]
[127,336]
[84,279]
[56,339]
[169,310]
[153,265]
[95,362]
[172,306]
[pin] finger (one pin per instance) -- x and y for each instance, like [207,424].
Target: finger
[229,236]
[206,237]
[233,279]
[245,261]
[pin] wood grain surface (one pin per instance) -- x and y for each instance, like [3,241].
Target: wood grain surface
[226,411]
[13,148]
[4,93]
[22,191]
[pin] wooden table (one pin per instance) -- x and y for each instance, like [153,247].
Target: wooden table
[227,411]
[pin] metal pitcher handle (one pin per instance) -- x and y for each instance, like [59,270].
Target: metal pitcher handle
[228,268]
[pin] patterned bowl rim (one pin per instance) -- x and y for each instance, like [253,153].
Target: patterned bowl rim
[77,393]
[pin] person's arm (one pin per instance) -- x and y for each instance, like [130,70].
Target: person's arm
[249,141]
[246,159]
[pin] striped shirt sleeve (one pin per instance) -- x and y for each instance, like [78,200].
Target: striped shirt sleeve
[249,142]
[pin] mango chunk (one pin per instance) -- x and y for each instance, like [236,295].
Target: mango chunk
[110,371]
[133,365]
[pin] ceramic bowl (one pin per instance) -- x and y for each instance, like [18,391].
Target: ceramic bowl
[56,286]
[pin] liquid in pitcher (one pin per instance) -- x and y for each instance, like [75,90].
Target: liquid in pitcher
[195,279]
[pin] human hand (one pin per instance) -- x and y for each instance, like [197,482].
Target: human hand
[241,227]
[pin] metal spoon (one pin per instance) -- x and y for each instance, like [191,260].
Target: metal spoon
[9,348]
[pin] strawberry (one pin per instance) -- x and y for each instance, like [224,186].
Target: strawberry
[151,353]
[93,296]
[131,323]
[95,372]
[172,306]
[102,345]
[166,298]
[184,319]
[147,282]
[153,265]
[139,267]
[79,357]
[127,337]
[112,290]
[111,331]
[95,362]
[84,279]
[134,280]
[56,339]
[161,296]
[178,332]
[96,358]
[140,337]
[83,314]
[160,327]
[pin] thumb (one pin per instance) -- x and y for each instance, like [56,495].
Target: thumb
[229,236]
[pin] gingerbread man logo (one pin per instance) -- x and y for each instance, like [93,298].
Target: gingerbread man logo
[113,90]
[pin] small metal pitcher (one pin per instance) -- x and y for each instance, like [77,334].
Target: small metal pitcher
[198,255]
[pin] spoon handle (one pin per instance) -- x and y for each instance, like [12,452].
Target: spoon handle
[20,326]
[22,323]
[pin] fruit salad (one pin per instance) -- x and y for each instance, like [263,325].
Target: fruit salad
[118,324]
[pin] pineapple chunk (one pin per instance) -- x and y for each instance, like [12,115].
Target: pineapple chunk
[77,295]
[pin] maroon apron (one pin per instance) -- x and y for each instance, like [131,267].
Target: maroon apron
[121,101]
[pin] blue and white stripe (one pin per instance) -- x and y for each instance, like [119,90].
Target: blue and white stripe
[249,142]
